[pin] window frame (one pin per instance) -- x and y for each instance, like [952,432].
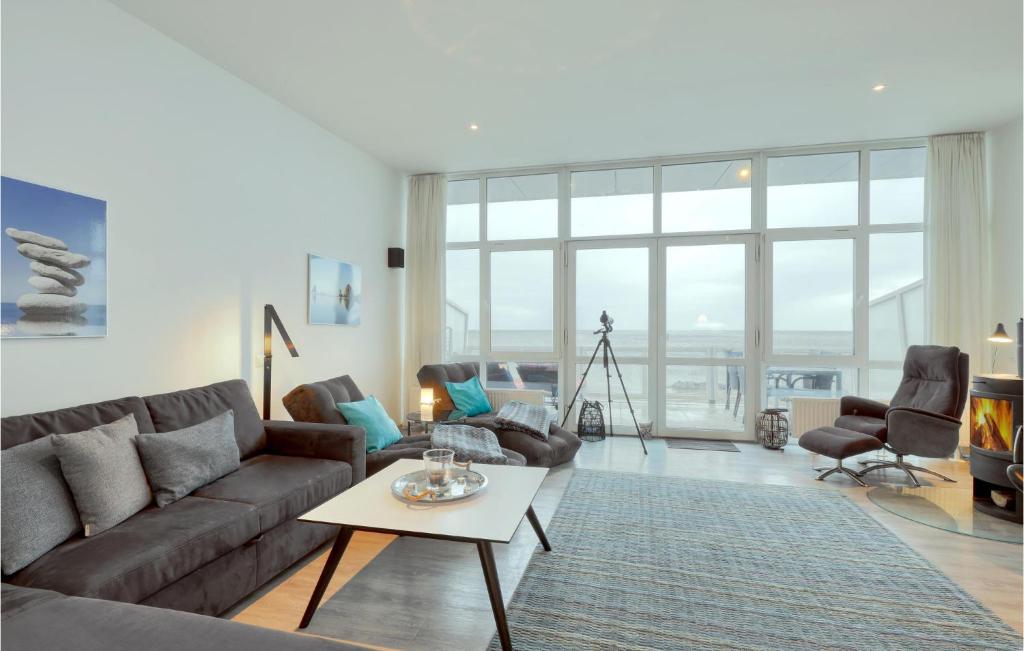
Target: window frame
[759,322]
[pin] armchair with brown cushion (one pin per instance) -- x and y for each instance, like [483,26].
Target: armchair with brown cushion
[561,445]
[316,402]
[923,417]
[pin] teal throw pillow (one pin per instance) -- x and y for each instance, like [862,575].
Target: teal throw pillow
[369,414]
[469,396]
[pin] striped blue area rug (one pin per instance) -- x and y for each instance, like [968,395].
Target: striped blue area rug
[644,562]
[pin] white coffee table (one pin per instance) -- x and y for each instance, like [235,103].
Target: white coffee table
[490,516]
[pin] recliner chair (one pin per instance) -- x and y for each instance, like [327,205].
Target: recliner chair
[923,418]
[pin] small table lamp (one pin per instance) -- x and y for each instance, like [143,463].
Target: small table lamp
[998,337]
[427,404]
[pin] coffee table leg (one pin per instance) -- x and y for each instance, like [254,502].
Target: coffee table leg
[340,543]
[532,517]
[494,592]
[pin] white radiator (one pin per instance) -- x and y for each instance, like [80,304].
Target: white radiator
[809,413]
[498,397]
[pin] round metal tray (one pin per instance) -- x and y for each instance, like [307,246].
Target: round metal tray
[463,483]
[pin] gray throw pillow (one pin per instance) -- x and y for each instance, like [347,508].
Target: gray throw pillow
[181,461]
[38,510]
[103,470]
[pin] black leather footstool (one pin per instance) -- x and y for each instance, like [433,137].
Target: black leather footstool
[839,444]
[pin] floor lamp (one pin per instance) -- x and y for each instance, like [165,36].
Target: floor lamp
[270,318]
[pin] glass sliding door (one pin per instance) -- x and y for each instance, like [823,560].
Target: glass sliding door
[614,277]
[707,366]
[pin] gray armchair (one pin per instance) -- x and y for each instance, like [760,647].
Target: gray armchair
[923,417]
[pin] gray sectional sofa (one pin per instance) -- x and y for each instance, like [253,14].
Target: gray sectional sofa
[48,621]
[205,552]
[316,402]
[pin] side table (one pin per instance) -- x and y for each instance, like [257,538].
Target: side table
[439,416]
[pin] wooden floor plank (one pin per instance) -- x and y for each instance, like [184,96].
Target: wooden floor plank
[991,571]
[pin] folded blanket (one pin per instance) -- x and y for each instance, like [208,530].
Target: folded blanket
[469,443]
[532,419]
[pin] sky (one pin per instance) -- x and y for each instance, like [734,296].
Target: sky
[79,221]
[812,280]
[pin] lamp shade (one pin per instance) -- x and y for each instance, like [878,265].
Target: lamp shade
[1000,336]
[427,397]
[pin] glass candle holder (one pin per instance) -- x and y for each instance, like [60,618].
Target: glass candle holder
[438,464]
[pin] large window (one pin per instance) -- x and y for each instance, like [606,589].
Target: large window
[706,196]
[736,282]
[522,207]
[815,190]
[612,202]
[812,297]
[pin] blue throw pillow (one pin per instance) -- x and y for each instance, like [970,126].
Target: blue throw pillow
[369,414]
[469,396]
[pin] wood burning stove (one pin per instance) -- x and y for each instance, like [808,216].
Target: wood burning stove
[996,410]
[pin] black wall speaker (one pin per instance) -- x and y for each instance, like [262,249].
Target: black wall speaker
[396,258]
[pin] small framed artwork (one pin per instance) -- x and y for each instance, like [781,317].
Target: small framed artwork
[54,262]
[335,292]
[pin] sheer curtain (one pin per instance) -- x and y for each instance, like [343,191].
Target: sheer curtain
[424,273]
[957,282]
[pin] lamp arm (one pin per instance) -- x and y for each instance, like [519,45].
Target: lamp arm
[270,319]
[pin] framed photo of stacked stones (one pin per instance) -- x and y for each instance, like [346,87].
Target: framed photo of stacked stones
[54,262]
[335,292]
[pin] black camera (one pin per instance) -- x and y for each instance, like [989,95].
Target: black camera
[606,323]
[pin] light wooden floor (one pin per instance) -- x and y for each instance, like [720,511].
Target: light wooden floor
[991,571]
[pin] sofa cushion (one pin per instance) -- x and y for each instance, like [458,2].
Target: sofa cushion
[103,470]
[281,488]
[317,402]
[434,376]
[146,552]
[369,414]
[41,619]
[560,447]
[181,409]
[864,424]
[15,430]
[181,461]
[412,447]
[469,397]
[38,510]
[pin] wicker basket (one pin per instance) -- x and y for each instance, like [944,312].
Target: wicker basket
[772,428]
[590,426]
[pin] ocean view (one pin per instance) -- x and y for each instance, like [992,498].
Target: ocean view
[696,396]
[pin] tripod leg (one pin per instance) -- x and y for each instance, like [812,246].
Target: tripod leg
[568,410]
[626,393]
[608,381]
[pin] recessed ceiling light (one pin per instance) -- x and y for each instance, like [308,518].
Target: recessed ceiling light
[474,126]
[878,88]
[744,173]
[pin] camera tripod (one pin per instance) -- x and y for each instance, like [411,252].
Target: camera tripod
[605,346]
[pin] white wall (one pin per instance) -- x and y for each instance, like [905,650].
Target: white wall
[1006,242]
[215,194]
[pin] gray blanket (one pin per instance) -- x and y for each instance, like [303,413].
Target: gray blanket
[522,417]
[469,443]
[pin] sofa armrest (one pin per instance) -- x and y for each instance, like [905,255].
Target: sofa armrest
[921,433]
[855,405]
[321,441]
[498,397]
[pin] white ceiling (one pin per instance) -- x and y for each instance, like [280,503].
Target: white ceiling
[554,81]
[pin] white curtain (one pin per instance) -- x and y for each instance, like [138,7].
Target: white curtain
[424,273]
[957,281]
